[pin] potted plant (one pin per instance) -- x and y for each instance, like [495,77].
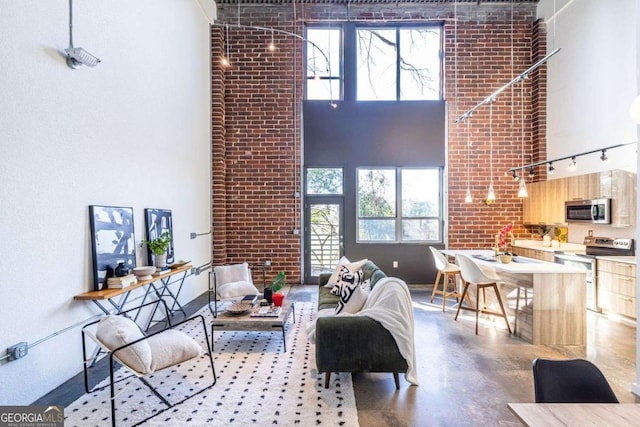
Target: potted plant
[503,239]
[159,247]
[276,284]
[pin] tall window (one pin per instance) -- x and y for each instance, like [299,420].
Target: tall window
[323,59]
[400,63]
[399,205]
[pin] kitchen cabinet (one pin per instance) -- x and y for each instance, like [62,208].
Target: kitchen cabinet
[533,253]
[623,195]
[589,186]
[545,204]
[617,287]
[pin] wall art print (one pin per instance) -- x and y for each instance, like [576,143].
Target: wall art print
[112,239]
[157,222]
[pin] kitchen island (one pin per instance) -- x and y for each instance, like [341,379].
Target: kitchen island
[556,312]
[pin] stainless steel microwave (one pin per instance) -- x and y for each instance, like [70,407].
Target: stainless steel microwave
[597,211]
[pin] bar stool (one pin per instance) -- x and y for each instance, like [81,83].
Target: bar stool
[471,273]
[449,271]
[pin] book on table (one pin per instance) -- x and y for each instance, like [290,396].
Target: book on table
[269,311]
[250,299]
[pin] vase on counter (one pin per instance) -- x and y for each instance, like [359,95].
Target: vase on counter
[505,258]
[546,240]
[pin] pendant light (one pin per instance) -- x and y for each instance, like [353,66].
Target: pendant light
[522,189]
[468,198]
[491,194]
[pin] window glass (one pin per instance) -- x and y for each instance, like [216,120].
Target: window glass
[324,181]
[323,62]
[376,64]
[376,193]
[413,192]
[420,63]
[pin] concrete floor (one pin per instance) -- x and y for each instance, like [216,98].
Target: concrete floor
[465,380]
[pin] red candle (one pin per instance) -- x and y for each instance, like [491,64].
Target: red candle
[277,299]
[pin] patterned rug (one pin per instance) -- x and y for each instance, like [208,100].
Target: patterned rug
[258,385]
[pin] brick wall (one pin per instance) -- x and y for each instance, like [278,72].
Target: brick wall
[257,152]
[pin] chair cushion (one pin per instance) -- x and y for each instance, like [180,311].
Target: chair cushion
[236,289]
[116,331]
[171,347]
[232,273]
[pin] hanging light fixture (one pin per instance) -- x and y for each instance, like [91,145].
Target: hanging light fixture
[522,189]
[491,194]
[272,45]
[572,163]
[551,169]
[225,60]
[604,157]
[468,198]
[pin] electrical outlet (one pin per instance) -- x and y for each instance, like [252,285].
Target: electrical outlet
[18,351]
[193,236]
[395,264]
[267,263]
[195,271]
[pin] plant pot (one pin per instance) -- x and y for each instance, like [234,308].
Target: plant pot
[161,260]
[277,299]
[268,295]
[504,258]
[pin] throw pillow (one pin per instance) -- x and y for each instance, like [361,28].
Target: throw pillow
[334,276]
[116,331]
[352,298]
[346,273]
[172,347]
[236,289]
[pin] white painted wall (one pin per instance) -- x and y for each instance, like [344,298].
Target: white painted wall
[591,82]
[133,131]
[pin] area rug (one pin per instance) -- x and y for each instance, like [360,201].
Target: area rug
[258,385]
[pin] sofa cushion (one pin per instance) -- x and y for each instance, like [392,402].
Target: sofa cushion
[171,347]
[334,276]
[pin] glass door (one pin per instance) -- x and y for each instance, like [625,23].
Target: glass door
[323,236]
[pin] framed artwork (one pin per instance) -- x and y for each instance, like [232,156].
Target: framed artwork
[157,222]
[112,240]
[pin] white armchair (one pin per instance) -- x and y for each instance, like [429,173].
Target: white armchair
[229,282]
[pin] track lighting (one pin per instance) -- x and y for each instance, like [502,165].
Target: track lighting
[514,175]
[572,163]
[532,172]
[604,157]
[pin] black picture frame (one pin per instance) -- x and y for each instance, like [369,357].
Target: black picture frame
[157,221]
[112,240]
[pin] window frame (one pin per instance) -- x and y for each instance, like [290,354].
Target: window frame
[398,218]
[335,73]
[398,75]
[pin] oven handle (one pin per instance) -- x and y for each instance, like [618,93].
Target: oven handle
[557,257]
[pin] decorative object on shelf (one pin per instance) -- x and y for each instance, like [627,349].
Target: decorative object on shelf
[159,247]
[121,270]
[278,297]
[276,284]
[178,264]
[157,221]
[561,234]
[145,272]
[112,240]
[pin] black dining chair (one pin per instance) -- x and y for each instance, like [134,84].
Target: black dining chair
[570,381]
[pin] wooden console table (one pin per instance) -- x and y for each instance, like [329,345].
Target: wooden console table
[160,291]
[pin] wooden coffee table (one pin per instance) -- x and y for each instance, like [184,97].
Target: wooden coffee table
[245,322]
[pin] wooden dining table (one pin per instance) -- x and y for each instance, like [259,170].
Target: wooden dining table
[577,414]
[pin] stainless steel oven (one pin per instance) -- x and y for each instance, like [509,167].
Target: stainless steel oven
[587,263]
[595,246]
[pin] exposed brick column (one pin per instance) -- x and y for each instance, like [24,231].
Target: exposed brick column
[218,161]
[539,98]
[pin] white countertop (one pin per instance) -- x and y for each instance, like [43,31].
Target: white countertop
[519,264]
[625,259]
[537,245]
